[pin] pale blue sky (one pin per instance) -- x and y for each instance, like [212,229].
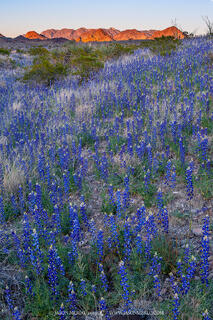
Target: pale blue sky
[19,16]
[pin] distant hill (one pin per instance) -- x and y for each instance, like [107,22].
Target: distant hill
[131,34]
[171,31]
[72,34]
[34,35]
[111,34]
[20,38]
[95,35]
[100,34]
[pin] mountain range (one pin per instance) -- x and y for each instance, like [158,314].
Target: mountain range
[100,34]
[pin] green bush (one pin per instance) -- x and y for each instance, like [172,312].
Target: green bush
[45,71]
[38,51]
[86,65]
[163,46]
[4,51]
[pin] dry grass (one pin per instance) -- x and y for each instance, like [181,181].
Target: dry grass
[13,178]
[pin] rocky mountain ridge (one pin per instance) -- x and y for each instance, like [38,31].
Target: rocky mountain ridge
[100,34]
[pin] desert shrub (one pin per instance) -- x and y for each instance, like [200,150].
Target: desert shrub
[115,50]
[41,51]
[20,51]
[4,51]
[163,46]
[45,71]
[86,65]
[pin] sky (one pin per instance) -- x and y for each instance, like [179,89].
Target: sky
[20,16]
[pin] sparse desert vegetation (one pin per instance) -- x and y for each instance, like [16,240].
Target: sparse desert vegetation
[106,173]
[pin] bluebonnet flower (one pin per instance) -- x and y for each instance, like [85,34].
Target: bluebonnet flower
[72,214]
[60,265]
[38,196]
[147,178]
[52,270]
[206,315]
[140,215]
[127,241]
[185,284]
[2,213]
[93,289]
[155,266]
[77,180]
[56,219]
[175,308]
[76,230]
[62,313]
[31,201]
[155,269]
[191,268]
[47,175]
[140,149]
[16,314]
[72,300]
[83,214]
[36,255]
[103,277]
[174,284]
[104,308]
[73,254]
[150,226]
[205,252]
[29,287]
[8,298]
[149,152]
[157,284]
[174,130]
[111,194]
[186,253]
[100,244]
[205,227]
[139,244]
[38,221]
[51,236]
[1,179]
[179,267]
[104,167]
[14,205]
[19,251]
[167,151]
[165,220]
[113,237]
[83,287]
[125,286]
[66,179]
[41,165]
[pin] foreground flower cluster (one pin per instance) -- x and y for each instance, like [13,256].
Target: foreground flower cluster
[141,126]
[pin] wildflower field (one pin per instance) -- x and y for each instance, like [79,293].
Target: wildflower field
[106,183]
